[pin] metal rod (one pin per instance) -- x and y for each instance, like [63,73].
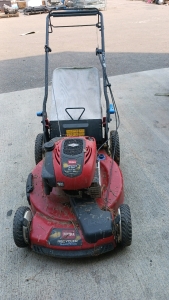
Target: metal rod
[74,26]
[46,63]
[103,63]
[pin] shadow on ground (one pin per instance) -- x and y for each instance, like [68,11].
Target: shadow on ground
[28,72]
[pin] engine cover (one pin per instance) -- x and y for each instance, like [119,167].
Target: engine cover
[72,157]
[74,161]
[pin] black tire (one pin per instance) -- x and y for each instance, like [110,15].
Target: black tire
[126,225]
[18,227]
[39,148]
[115,146]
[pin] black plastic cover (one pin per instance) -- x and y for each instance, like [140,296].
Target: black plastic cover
[72,149]
[48,174]
[29,186]
[92,128]
[95,223]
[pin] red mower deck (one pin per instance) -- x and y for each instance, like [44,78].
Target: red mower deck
[54,227]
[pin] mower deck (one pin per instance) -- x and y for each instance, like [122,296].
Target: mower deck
[72,227]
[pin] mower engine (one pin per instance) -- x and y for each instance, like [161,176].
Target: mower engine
[71,164]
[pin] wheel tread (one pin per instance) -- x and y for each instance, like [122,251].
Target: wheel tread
[126,225]
[38,148]
[114,140]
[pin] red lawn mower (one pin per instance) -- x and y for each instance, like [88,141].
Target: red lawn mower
[75,192]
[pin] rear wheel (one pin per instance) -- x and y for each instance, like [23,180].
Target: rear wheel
[115,146]
[21,226]
[124,226]
[39,148]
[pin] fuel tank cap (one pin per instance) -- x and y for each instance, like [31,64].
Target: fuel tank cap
[49,146]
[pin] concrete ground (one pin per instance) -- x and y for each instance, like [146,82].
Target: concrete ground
[140,271]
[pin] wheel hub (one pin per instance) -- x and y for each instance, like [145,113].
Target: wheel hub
[26,225]
[118,226]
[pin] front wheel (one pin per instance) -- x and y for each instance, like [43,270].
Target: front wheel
[21,226]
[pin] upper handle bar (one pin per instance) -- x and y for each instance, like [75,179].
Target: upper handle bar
[75,12]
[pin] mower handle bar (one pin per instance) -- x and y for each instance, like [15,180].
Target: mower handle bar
[61,12]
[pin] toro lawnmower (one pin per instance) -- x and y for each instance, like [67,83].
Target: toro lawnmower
[75,192]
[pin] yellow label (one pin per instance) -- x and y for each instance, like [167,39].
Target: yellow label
[75,132]
[55,235]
